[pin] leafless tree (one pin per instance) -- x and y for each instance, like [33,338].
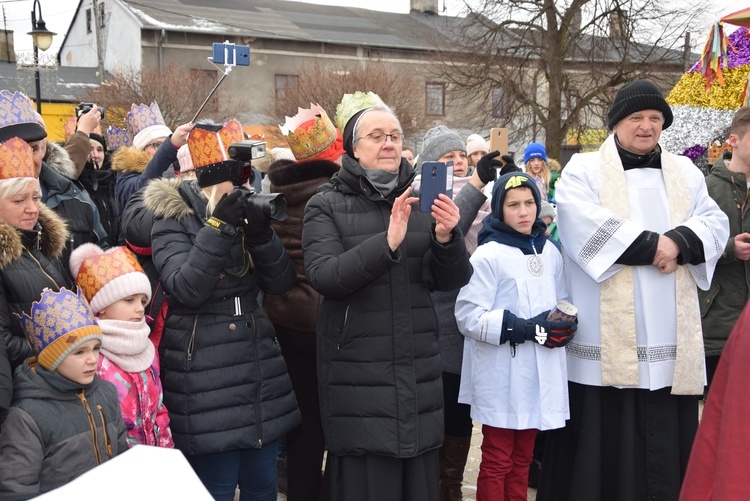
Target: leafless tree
[551,66]
[178,92]
[326,84]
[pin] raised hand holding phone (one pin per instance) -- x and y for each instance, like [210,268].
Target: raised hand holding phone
[437,178]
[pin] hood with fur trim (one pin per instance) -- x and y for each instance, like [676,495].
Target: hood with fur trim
[163,198]
[130,159]
[53,237]
[59,159]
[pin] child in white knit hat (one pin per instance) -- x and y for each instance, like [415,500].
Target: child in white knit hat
[118,290]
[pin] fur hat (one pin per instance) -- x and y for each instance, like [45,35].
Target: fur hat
[535,150]
[58,324]
[105,277]
[509,182]
[475,143]
[437,142]
[635,96]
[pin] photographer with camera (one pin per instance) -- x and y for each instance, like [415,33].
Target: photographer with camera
[225,381]
[78,145]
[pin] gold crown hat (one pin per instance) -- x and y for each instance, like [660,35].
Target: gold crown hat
[145,124]
[18,118]
[57,324]
[106,277]
[16,159]
[309,133]
[208,144]
[351,104]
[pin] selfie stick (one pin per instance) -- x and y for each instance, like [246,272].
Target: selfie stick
[225,53]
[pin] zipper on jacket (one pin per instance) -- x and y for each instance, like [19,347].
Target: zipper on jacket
[107,444]
[343,329]
[41,268]
[92,425]
[191,344]
[256,404]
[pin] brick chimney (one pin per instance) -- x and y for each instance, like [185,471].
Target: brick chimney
[425,6]
[7,52]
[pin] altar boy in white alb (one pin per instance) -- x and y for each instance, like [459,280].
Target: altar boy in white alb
[639,232]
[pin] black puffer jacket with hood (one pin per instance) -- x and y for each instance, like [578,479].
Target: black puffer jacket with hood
[225,382]
[379,370]
[29,262]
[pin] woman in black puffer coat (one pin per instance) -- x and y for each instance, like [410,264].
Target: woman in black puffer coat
[375,259]
[225,382]
[32,240]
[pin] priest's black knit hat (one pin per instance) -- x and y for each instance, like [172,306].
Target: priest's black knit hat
[638,95]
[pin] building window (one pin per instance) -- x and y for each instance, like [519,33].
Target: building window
[499,102]
[205,81]
[101,15]
[435,99]
[88,20]
[286,88]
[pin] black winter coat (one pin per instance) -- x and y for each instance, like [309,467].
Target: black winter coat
[29,262]
[225,382]
[100,184]
[379,366]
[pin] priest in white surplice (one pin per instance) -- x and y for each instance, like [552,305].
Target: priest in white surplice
[639,232]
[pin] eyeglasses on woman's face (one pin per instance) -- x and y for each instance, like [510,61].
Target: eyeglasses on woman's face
[380,137]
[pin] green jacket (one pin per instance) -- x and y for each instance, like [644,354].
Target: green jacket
[722,304]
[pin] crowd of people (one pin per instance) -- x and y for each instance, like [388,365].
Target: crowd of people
[159,290]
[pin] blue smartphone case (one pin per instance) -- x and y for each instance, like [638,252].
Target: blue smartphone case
[437,177]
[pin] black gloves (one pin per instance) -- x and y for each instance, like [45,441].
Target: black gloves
[256,223]
[553,334]
[229,209]
[510,165]
[487,167]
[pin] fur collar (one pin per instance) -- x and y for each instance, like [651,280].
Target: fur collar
[130,159]
[59,159]
[53,237]
[282,174]
[162,197]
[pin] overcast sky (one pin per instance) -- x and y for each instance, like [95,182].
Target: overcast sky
[58,14]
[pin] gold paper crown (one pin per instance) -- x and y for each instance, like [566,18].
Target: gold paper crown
[309,132]
[16,108]
[716,150]
[208,147]
[96,271]
[16,159]
[142,116]
[351,104]
[57,324]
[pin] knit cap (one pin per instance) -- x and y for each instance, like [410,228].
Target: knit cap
[475,143]
[106,277]
[509,182]
[184,159]
[57,324]
[547,210]
[437,142]
[635,96]
[535,150]
[99,139]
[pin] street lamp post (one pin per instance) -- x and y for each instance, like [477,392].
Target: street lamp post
[42,38]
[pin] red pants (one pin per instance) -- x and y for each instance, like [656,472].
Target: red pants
[504,470]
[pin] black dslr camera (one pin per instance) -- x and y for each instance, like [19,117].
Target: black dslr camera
[86,107]
[272,206]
